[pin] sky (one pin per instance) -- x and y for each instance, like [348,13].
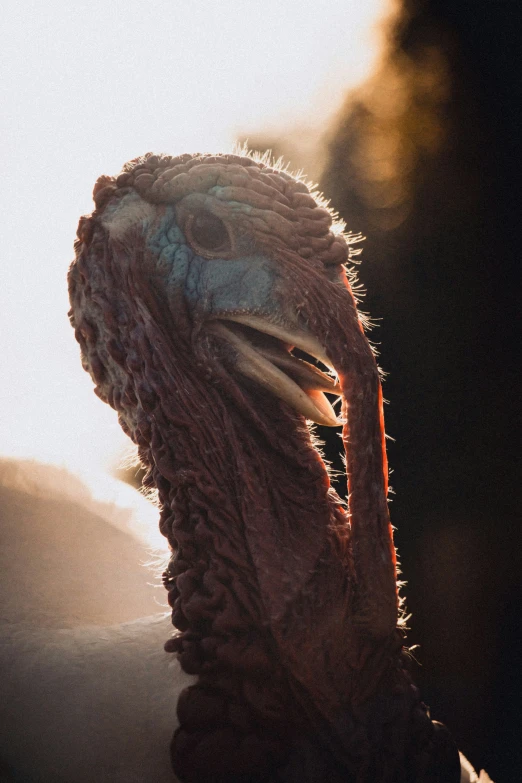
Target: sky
[88,86]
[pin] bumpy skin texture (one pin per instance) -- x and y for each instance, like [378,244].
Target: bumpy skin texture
[285,602]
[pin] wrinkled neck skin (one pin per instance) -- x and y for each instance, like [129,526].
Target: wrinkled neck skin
[280,608]
[261,514]
[284,602]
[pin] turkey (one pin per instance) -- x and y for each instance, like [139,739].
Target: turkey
[204,290]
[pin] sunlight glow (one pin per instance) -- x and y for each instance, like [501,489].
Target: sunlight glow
[89,86]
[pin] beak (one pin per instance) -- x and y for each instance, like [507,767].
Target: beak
[263,355]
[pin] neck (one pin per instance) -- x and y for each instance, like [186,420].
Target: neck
[252,512]
[260,581]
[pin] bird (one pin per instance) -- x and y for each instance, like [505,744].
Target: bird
[214,309]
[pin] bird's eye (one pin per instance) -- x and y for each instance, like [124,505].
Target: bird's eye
[208,234]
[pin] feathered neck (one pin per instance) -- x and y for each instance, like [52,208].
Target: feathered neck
[246,496]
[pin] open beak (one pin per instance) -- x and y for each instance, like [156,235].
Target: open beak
[263,355]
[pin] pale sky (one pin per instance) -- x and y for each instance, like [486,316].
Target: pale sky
[85,87]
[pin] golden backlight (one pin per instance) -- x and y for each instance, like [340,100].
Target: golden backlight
[88,86]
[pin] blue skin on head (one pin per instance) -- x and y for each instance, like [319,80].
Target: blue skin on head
[215,286]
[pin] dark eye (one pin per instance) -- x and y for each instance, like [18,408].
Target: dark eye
[208,234]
